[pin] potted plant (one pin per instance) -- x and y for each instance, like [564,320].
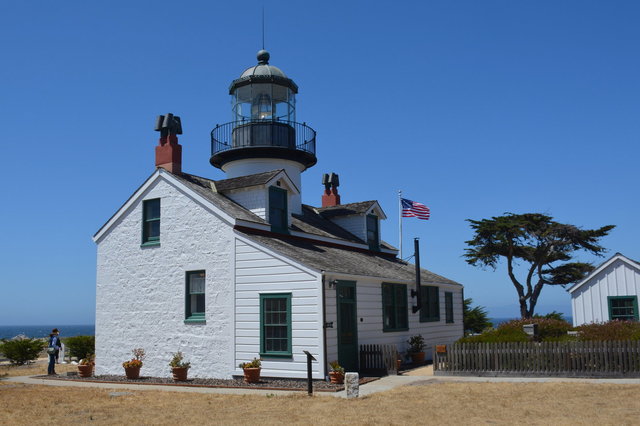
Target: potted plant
[416,348]
[337,373]
[179,367]
[132,367]
[251,370]
[85,366]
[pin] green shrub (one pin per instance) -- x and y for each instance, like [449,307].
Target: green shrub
[20,352]
[611,330]
[549,330]
[81,346]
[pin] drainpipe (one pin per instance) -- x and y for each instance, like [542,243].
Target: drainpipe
[416,292]
[324,326]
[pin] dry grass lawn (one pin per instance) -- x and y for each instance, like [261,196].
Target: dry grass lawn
[443,403]
[39,367]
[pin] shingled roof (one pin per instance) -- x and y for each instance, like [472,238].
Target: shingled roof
[346,209]
[245,181]
[330,258]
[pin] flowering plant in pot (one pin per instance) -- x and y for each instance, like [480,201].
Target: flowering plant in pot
[416,348]
[85,366]
[251,370]
[337,372]
[179,367]
[132,367]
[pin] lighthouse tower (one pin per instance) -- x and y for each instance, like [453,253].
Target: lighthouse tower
[264,134]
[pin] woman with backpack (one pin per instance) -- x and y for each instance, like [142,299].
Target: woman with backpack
[52,350]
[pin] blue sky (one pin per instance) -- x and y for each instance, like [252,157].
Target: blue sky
[474,108]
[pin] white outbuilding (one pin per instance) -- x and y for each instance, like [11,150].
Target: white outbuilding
[232,269]
[609,292]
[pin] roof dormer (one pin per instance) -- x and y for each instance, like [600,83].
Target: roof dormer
[361,219]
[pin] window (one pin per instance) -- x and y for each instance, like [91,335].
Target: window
[430,304]
[623,308]
[151,221]
[275,325]
[373,235]
[448,306]
[195,296]
[394,307]
[278,209]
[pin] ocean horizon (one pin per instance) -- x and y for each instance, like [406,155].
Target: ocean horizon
[38,331]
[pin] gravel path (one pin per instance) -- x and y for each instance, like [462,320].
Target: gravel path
[265,382]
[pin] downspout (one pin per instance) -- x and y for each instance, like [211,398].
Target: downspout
[324,326]
[416,292]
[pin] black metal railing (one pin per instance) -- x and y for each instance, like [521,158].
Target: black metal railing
[263,133]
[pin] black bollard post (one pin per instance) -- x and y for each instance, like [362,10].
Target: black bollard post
[309,374]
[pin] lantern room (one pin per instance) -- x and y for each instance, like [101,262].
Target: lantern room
[264,134]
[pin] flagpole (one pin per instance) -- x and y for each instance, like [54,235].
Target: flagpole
[400,220]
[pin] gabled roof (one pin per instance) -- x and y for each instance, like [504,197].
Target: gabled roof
[245,181]
[341,260]
[347,209]
[602,266]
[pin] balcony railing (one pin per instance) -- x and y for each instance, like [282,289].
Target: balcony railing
[263,134]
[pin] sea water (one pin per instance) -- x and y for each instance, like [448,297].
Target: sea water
[37,331]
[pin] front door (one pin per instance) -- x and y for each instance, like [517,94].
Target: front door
[347,325]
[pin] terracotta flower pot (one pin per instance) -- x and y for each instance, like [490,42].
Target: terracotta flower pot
[398,364]
[252,375]
[132,372]
[417,357]
[85,370]
[337,378]
[180,373]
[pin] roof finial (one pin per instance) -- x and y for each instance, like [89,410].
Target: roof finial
[263,57]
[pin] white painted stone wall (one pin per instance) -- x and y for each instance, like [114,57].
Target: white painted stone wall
[369,319]
[141,290]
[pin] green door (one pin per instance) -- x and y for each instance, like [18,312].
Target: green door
[347,325]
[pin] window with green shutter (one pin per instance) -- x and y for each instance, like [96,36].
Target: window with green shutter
[195,296]
[448,306]
[373,234]
[623,308]
[394,307]
[275,325]
[278,209]
[430,304]
[151,222]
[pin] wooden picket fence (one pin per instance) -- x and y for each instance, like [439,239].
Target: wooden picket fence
[562,359]
[378,359]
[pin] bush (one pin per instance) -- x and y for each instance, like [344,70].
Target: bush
[548,330]
[611,330]
[21,351]
[81,347]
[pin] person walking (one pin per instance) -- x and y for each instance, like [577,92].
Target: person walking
[53,350]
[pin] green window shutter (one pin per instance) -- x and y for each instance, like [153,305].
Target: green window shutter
[395,314]
[275,325]
[448,306]
[278,216]
[429,304]
[623,308]
[195,286]
[373,233]
[151,221]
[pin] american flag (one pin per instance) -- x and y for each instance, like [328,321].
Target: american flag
[414,209]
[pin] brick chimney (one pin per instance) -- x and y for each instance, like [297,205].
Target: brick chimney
[169,151]
[330,197]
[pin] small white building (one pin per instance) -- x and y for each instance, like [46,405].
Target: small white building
[228,270]
[609,292]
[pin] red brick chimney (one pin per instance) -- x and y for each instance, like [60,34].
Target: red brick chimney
[169,152]
[330,197]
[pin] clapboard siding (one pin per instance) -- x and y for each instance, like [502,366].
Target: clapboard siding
[355,224]
[259,271]
[589,301]
[369,319]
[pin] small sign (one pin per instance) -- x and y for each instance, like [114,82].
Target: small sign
[441,349]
